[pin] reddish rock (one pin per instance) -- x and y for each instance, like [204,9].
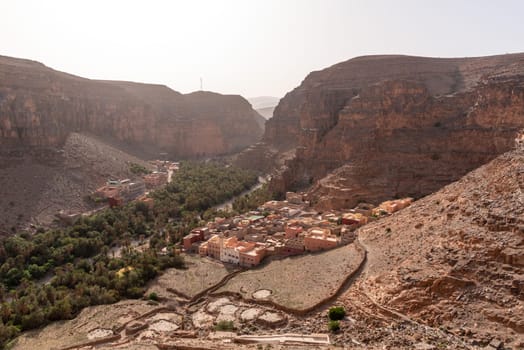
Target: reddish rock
[41,107]
[447,272]
[397,125]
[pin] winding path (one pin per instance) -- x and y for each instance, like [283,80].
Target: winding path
[390,311]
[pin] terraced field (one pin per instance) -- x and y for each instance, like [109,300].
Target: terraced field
[199,275]
[298,282]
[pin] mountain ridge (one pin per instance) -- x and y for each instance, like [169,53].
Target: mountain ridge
[39,106]
[394,125]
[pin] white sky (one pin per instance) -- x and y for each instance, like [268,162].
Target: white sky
[247,47]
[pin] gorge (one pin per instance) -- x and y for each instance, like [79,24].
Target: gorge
[392,126]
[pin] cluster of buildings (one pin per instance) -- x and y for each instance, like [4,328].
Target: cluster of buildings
[118,192]
[281,229]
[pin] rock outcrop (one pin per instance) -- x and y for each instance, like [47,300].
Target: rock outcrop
[40,107]
[455,258]
[396,125]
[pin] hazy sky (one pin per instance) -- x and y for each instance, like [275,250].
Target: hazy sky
[247,47]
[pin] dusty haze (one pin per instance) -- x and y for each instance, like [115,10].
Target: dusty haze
[251,48]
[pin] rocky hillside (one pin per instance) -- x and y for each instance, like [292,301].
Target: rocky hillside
[41,107]
[455,259]
[396,125]
[39,182]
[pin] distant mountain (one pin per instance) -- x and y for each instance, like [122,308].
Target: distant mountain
[264,105]
[62,136]
[394,125]
[266,112]
[260,102]
[40,107]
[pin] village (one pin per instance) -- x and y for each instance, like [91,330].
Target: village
[278,229]
[119,192]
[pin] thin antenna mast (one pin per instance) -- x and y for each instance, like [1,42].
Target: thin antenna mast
[201,84]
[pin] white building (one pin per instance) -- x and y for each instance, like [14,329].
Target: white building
[229,253]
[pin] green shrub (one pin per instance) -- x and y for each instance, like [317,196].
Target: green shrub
[225,326]
[336,313]
[138,169]
[153,296]
[334,326]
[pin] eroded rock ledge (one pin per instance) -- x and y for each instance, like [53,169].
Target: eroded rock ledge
[396,125]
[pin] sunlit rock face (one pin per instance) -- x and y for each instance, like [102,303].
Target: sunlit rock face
[396,125]
[40,107]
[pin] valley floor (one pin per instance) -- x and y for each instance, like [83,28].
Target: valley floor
[444,273]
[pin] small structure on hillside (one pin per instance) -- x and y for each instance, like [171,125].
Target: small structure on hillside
[118,192]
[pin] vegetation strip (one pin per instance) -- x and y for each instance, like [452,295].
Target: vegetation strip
[52,275]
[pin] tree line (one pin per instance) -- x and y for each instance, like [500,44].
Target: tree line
[53,274]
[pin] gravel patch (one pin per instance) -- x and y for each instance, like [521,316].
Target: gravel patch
[99,333]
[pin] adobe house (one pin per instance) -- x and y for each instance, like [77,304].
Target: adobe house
[354,219]
[292,231]
[319,239]
[194,236]
[214,245]
[252,255]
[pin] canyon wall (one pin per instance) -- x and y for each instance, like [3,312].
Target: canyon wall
[40,107]
[392,126]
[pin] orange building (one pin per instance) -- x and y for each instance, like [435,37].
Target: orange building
[189,240]
[229,252]
[319,239]
[395,205]
[202,250]
[251,255]
[292,231]
[214,245]
[293,246]
[354,218]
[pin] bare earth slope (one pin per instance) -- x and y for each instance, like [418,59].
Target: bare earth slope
[36,184]
[445,273]
[48,163]
[456,258]
[40,107]
[398,125]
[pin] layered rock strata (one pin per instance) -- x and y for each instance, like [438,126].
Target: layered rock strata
[40,107]
[455,259]
[396,125]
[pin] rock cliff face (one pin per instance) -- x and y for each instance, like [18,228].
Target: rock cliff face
[396,125]
[41,107]
[456,258]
